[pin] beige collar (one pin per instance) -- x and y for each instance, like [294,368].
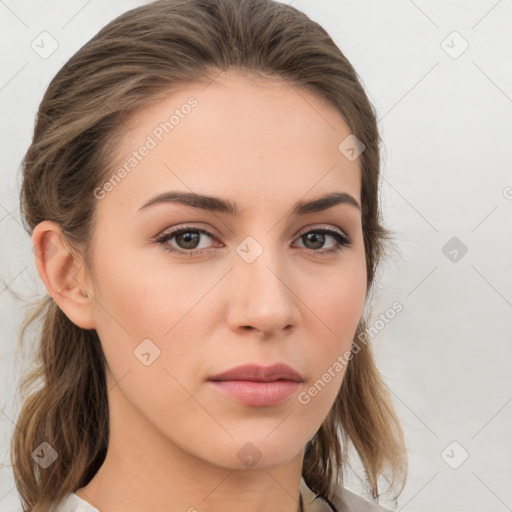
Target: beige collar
[313,502]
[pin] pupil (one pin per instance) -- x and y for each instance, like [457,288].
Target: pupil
[189,239]
[318,237]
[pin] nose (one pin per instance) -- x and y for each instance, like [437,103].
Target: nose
[262,298]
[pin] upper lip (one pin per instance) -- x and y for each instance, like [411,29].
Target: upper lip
[257,373]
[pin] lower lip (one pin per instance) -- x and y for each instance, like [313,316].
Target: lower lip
[262,394]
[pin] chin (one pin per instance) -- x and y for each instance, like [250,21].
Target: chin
[262,453]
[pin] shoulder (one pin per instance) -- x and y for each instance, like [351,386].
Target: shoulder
[73,503]
[347,501]
[343,501]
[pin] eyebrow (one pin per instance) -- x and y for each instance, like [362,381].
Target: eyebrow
[216,204]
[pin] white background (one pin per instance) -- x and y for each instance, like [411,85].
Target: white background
[446,123]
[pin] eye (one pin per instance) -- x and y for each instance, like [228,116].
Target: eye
[317,238]
[188,240]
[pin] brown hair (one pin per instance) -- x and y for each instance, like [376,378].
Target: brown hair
[136,60]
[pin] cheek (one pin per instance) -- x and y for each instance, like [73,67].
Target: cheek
[337,299]
[137,303]
[337,304]
[342,304]
[143,300]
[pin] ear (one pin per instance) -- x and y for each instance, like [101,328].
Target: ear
[59,270]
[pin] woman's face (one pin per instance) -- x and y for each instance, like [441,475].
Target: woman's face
[173,313]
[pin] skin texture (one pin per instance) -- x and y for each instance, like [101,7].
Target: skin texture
[175,442]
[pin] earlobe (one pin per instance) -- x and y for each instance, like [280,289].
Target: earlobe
[58,269]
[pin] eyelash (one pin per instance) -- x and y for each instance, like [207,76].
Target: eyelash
[342,241]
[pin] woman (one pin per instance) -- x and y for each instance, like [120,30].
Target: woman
[202,195]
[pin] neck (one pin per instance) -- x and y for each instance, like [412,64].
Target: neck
[144,470]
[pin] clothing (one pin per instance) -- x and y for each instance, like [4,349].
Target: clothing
[344,501]
[73,503]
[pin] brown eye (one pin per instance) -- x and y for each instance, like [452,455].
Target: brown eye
[187,240]
[315,239]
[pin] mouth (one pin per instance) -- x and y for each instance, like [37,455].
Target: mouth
[256,385]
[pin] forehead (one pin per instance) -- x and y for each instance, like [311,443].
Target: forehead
[249,137]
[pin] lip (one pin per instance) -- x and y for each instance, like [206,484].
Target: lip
[258,373]
[256,385]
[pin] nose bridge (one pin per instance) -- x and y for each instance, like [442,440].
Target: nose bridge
[259,264]
[263,293]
